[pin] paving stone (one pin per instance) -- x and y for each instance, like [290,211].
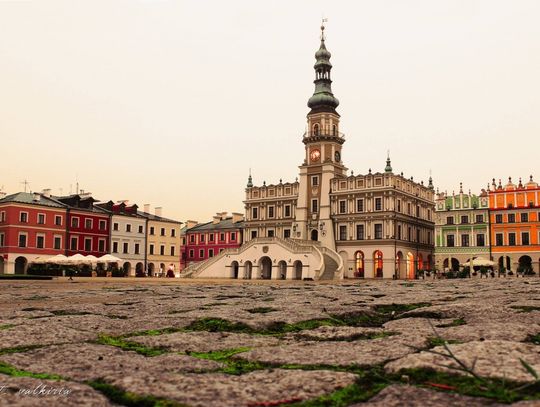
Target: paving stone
[334,333]
[364,352]
[228,390]
[498,359]
[205,341]
[30,392]
[411,396]
[91,361]
[126,306]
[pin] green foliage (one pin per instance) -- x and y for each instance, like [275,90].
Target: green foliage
[9,370]
[350,338]
[129,346]
[124,398]
[399,308]
[6,326]
[525,308]
[261,310]
[218,325]
[455,322]
[433,341]
[232,365]
[534,339]
[153,332]
[495,389]
[19,349]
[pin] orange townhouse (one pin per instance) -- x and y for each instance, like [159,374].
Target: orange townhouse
[515,225]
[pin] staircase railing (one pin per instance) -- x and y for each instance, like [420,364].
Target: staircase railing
[292,245]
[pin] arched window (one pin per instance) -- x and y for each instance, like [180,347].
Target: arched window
[316,129]
[359,264]
[378,263]
[334,130]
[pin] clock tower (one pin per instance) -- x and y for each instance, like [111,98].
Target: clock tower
[323,142]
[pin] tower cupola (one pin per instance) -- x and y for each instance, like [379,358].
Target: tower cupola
[323,100]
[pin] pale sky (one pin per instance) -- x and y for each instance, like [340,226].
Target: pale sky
[171,102]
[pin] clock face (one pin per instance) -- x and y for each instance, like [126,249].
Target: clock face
[337,156]
[315,155]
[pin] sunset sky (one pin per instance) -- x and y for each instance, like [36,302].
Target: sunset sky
[172,102]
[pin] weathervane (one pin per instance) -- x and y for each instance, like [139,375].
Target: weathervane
[324,20]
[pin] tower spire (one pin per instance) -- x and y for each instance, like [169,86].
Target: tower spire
[388,167]
[250,180]
[323,100]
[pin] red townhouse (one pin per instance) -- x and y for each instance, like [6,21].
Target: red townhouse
[88,225]
[32,228]
[207,240]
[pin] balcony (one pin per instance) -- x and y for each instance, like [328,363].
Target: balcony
[324,135]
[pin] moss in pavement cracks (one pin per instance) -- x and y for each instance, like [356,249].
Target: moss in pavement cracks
[373,379]
[455,322]
[433,341]
[9,370]
[153,332]
[19,349]
[130,346]
[261,310]
[232,365]
[534,339]
[219,325]
[525,308]
[495,389]
[399,308]
[124,398]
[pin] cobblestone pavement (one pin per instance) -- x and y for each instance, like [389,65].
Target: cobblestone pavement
[106,342]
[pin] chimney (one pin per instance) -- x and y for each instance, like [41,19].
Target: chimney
[46,193]
[237,217]
[37,197]
[147,208]
[159,211]
[191,224]
[216,219]
[223,215]
[2,194]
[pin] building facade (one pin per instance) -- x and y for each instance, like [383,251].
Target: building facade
[515,225]
[461,228]
[128,236]
[328,224]
[163,242]
[88,225]
[32,228]
[383,225]
[207,240]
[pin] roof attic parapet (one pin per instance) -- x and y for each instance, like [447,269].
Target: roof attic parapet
[381,181]
[272,191]
[494,188]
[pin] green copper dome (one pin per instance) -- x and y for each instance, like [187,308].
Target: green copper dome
[323,99]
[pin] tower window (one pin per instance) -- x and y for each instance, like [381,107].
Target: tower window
[314,205]
[316,129]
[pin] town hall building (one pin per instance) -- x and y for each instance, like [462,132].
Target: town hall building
[329,224]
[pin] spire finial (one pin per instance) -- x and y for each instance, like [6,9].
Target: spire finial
[388,167]
[324,20]
[461,187]
[250,180]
